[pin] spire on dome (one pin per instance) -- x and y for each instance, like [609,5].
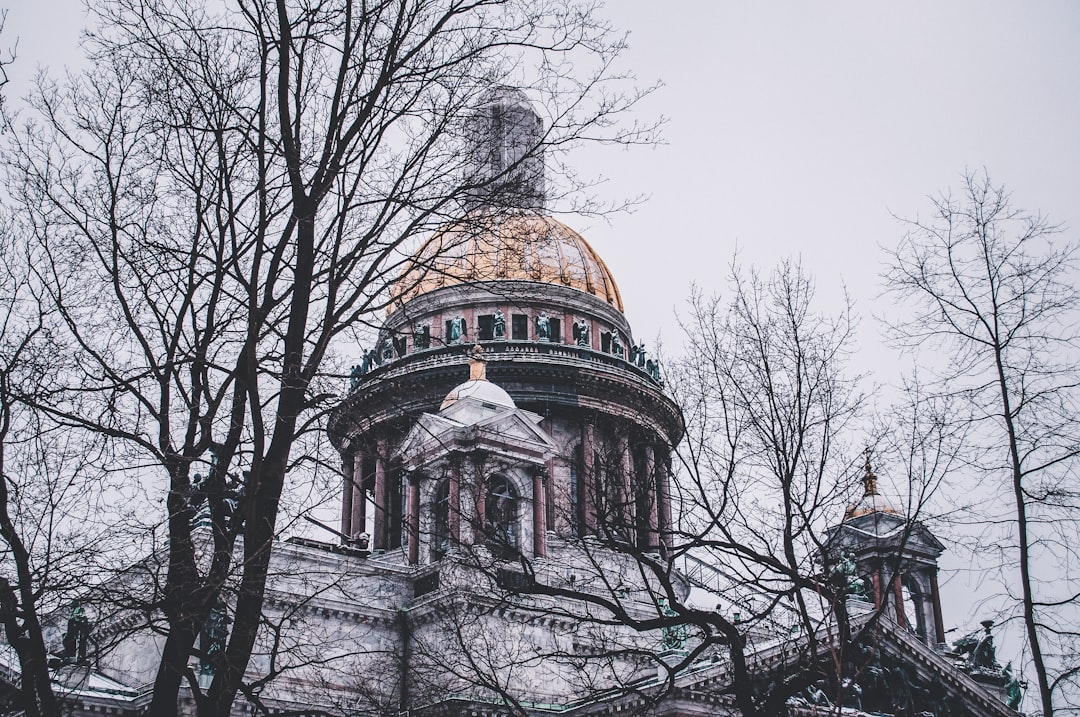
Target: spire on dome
[869,479]
[871,501]
[507,157]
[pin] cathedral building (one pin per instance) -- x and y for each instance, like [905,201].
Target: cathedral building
[506,446]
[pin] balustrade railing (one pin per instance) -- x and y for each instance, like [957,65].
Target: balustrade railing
[496,350]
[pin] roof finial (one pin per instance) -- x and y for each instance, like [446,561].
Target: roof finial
[477,364]
[869,479]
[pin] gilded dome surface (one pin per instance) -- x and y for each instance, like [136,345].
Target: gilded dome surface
[524,247]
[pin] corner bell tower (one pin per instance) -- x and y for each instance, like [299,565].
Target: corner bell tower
[896,557]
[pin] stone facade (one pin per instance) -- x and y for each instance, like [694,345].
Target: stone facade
[505,448]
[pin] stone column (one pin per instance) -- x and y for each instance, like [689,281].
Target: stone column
[935,598]
[539,513]
[663,498]
[589,481]
[347,498]
[472,331]
[876,579]
[453,510]
[467,501]
[649,485]
[551,497]
[479,505]
[625,488]
[358,521]
[898,594]
[381,508]
[413,517]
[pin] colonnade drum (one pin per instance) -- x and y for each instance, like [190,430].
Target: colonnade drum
[570,431]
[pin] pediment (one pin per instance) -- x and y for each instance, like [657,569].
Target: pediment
[516,424]
[887,672]
[513,433]
[430,431]
[884,531]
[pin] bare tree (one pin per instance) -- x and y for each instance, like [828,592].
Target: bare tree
[771,460]
[222,199]
[994,303]
[772,418]
[20,363]
[6,58]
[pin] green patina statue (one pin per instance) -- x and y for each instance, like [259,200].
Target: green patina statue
[844,576]
[543,327]
[674,636]
[214,635]
[1013,688]
[77,636]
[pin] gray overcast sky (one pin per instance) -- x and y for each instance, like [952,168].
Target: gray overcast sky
[794,128]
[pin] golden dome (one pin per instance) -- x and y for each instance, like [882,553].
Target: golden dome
[524,247]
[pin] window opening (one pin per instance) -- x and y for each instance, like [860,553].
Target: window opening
[911,609]
[641,487]
[486,323]
[501,517]
[455,330]
[519,327]
[421,338]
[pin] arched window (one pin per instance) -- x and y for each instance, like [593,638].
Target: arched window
[913,606]
[501,516]
[440,544]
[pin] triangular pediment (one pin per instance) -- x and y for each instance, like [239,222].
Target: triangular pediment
[515,424]
[509,432]
[430,431]
[892,672]
[888,532]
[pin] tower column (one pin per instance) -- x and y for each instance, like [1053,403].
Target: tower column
[898,594]
[935,599]
[663,498]
[479,505]
[467,527]
[552,496]
[626,514]
[876,580]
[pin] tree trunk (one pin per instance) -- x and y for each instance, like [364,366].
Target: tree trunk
[1045,694]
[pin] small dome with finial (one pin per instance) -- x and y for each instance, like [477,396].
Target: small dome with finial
[478,386]
[871,501]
